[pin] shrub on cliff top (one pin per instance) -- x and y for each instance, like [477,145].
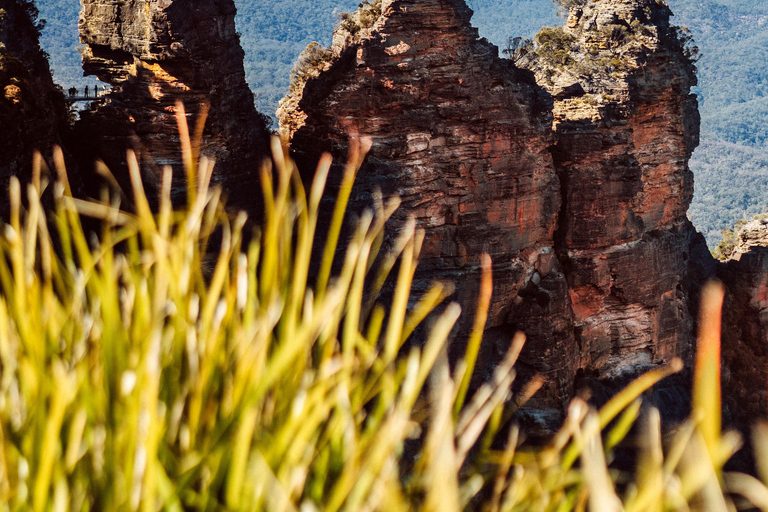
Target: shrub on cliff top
[555,47]
[366,15]
[727,245]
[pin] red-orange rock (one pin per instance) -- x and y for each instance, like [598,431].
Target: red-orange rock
[463,138]
[625,126]
[590,255]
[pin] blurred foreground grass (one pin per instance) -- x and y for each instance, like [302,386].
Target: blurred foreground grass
[132,380]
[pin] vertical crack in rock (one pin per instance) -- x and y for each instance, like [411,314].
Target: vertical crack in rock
[153,53]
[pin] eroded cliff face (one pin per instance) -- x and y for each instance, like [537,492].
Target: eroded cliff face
[577,183]
[155,52]
[625,126]
[463,138]
[32,109]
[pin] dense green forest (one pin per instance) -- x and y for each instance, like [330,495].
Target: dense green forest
[731,166]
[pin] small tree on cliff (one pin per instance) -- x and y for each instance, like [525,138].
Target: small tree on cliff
[310,63]
[563,6]
[517,47]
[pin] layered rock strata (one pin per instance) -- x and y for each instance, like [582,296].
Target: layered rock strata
[463,138]
[155,52]
[576,186]
[625,126]
[32,109]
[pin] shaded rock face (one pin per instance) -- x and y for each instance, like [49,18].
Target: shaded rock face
[155,52]
[625,127]
[32,108]
[577,183]
[745,324]
[463,138]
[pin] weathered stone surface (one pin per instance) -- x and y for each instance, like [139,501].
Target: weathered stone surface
[463,138]
[32,108]
[591,255]
[625,126]
[155,52]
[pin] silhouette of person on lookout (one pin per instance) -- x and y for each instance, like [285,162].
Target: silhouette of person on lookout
[86,91]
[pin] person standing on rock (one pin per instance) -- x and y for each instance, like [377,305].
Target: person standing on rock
[86,91]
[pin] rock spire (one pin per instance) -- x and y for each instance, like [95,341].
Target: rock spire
[32,108]
[155,52]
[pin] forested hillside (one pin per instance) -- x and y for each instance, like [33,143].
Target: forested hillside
[730,167]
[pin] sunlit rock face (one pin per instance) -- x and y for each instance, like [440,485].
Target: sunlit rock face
[155,52]
[32,110]
[568,166]
[625,126]
[463,137]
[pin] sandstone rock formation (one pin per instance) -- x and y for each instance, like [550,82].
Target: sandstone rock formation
[625,125]
[577,187]
[32,108]
[155,52]
[463,138]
